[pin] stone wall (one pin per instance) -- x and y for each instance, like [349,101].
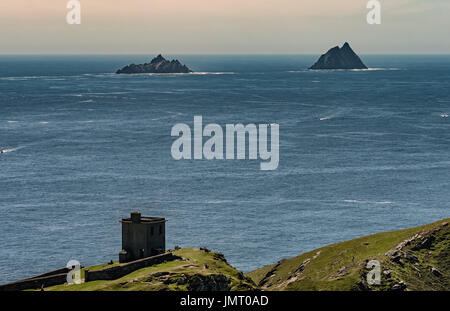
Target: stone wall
[36,283]
[116,272]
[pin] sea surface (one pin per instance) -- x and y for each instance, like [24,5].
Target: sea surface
[360,152]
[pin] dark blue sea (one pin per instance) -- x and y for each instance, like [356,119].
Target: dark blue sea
[360,152]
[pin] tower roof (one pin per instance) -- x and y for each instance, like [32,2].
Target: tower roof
[137,218]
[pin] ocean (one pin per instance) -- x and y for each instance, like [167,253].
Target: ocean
[360,152]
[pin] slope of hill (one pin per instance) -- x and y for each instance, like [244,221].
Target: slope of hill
[198,270]
[411,259]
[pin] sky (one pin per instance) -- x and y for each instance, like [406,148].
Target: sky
[223,27]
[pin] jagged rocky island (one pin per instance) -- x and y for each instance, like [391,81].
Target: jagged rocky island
[339,58]
[158,65]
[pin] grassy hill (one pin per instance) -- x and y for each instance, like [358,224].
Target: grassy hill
[197,270]
[411,259]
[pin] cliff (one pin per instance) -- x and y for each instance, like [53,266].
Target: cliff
[339,58]
[158,65]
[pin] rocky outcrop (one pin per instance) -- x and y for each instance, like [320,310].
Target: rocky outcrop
[339,58]
[158,65]
[212,282]
[196,282]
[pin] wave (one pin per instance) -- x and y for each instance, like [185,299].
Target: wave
[213,73]
[324,118]
[369,202]
[444,115]
[332,114]
[57,77]
[99,75]
[219,201]
[181,74]
[21,78]
[9,150]
[377,69]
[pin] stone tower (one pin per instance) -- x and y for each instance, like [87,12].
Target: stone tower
[142,237]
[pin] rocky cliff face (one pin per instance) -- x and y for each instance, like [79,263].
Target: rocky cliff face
[339,58]
[158,65]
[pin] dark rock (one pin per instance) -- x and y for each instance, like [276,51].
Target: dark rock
[241,276]
[168,280]
[400,286]
[425,243]
[411,258]
[387,273]
[158,274]
[219,257]
[212,282]
[339,58]
[363,286]
[182,280]
[397,257]
[436,272]
[158,65]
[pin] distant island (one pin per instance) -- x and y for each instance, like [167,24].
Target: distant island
[339,58]
[158,65]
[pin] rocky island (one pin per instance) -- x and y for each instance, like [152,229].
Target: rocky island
[158,65]
[339,58]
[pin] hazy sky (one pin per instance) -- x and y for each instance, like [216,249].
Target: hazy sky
[222,26]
